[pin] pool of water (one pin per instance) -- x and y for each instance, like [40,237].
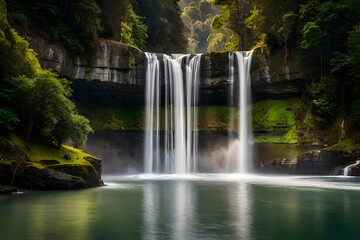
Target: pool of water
[189,207]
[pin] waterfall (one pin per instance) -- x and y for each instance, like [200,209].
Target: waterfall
[171,100]
[171,106]
[346,171]
[245,130]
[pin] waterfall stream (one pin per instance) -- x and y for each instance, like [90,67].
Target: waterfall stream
[171,117]
[347,170]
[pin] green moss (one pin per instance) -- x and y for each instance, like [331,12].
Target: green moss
[348,146]
[47,167]
[37,152]
[133,118]
[275,120]
[309,121]
[215,118]
[121,118]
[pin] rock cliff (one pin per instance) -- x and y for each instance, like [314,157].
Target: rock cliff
[113,61]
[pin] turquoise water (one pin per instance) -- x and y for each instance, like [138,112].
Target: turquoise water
[183,207]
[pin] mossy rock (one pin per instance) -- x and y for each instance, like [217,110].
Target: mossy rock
[274,121]
[41,167]
[95,162]
[347,146]
[85,172]
[49,162]
[36,178]
[5,190]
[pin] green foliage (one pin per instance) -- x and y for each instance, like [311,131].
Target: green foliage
[216,42]
[309,9]
[347,146]
[165,28]
[312,35]
[33,99]
[112,14]
[7,120]
[232,44]
[325,99]
[197,16]
[339,63]
[126,32]
[139,29]
[355,120]
[73,24]
[86,17]
[133,30]
[354,62]
[54,115]
[13,48]
[309,121]
[354,51]
[64,34]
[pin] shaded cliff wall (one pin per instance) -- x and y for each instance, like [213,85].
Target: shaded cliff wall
[113,61]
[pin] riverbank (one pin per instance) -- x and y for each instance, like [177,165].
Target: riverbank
[36,166]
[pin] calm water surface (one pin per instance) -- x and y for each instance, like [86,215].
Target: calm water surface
[197,207]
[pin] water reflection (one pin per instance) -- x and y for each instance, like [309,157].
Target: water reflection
[240,202]
[183,210]
[150,206]
[38,217]
[204,207]
[170,206]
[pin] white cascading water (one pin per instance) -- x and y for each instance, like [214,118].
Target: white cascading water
[152,113]
[347,170]
[245,133]
[180,114]
[179,102]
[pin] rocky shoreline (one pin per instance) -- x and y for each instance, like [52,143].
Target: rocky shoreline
[318,162]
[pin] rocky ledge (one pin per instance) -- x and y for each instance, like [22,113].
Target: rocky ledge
[52,177]
[322,162]
[113,61]
[34,166]
[319,162]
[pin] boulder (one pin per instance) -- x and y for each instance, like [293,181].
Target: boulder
[321,162]
[35,178]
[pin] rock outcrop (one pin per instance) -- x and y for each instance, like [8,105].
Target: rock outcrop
[322,162]
[113,61]
[42,167]
[51,177]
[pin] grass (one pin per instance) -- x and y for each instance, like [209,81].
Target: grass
[346,145]
[37,152]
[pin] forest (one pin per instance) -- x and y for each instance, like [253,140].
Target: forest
[323,35]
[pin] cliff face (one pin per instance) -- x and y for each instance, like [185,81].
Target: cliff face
[114,61]
[120,63]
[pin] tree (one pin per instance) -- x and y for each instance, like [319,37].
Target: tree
[34,102]
[112,14]
[52,113]
[354,60]
[165,28]
[325,100]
